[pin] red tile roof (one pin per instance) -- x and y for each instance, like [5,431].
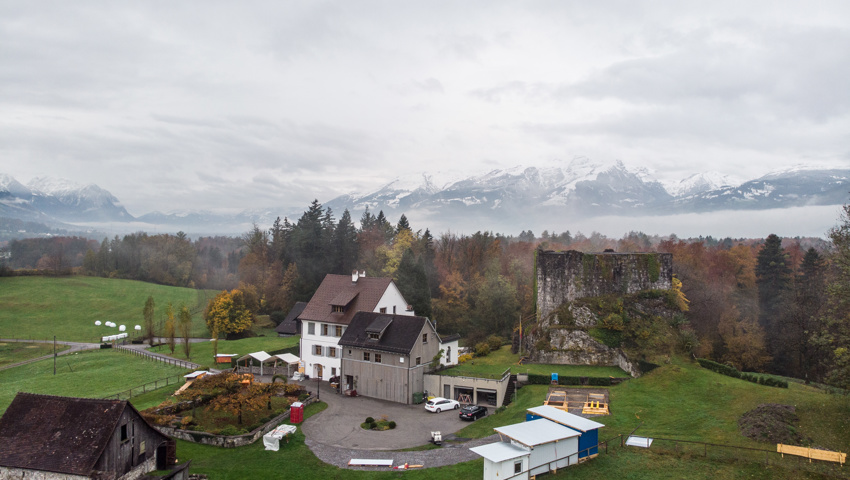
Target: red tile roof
[362,296]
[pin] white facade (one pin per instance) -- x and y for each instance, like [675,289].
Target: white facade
[450,353]
[321,356]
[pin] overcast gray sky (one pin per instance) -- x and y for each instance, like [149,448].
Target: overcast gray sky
[233,105]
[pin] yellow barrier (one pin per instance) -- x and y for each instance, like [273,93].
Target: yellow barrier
[812,453]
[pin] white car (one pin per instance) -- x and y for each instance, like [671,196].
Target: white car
[438,404]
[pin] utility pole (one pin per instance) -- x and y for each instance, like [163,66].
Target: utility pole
[54,354]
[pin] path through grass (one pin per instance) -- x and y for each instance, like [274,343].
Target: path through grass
[14,352]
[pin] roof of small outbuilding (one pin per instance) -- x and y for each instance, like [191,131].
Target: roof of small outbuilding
[58,434]
[289,325]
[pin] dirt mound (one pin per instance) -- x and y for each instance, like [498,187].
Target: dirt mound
[772,423]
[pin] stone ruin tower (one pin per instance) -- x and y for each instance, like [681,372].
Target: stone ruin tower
[567,276]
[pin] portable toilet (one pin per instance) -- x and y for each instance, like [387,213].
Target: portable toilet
[296,412]
[588,429]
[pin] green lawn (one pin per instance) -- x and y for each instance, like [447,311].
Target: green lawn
[14,352]
[494,364]
[90,374]
[41,307]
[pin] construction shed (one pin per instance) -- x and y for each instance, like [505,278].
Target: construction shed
[551,445]
[504,460]
[588,430]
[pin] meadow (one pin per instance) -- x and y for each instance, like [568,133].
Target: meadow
[495,363]
[13,352]
[38,308]
[88,374]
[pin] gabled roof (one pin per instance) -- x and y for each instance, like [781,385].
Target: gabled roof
[500,451]
[289,326]
[565,418]
[537,432]
[363,295]
[400,335]
[58,434]
[449,338]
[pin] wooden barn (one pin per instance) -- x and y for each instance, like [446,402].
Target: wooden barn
[588,429]
[48,437]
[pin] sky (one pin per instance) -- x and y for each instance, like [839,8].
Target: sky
[227,106]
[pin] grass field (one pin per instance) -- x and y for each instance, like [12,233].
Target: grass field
[39,308]
[13,352]
[494,364]
[90,374]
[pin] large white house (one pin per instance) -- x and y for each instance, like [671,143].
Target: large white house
[331,309]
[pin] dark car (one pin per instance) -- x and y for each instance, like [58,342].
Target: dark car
[471,412]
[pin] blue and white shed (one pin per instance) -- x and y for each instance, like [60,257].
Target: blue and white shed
[551,446]
[588,429]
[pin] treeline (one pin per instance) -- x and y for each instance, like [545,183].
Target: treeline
[774,305]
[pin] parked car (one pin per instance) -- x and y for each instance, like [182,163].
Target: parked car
[472,412]
[438,404]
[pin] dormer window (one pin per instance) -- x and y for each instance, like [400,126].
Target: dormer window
[374,336]
[338,308]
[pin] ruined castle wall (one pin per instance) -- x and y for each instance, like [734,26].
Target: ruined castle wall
[566,276]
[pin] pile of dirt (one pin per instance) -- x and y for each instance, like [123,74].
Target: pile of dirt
[772,423]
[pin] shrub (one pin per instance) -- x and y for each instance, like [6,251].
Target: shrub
[370,420]
[230,430]
[730,371]
[495,342]
[464,358]
[391,424]
[563,380]
[373,425]
[482,349]
[535,379]
[303,396]
[599,381]
[501,409]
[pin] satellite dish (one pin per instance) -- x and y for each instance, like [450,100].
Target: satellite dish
[97,322]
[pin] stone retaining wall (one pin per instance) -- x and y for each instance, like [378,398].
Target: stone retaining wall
[229,441]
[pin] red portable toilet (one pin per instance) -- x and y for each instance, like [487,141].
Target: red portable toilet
[296,412]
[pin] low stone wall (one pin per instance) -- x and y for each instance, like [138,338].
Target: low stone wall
[229,441]
[577,347]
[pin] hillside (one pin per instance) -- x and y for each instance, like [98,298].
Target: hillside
[67,307]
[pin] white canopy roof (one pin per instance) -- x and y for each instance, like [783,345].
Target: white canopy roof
[500,451]
[262,357]
[565,418]
[537,432]
[288,358]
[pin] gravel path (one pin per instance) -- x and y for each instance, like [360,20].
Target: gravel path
[449,454]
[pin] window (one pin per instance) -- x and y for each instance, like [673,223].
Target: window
[518,466]
[448,354]
[377,358]
[374,336]
[311,328]
[317,350]
[383,309]
[418,360]
[366,356]
[424,338]
[325,327]
[124,436]
[333,371]
[338,330]
[332,352]
[338,308]
[393,309]
[141,447]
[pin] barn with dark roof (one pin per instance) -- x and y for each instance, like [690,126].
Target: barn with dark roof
[49,437]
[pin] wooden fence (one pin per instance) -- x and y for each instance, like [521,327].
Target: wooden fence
[147,387]
[158,358]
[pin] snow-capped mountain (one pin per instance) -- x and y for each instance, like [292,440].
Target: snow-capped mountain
[502,199]
[45,199]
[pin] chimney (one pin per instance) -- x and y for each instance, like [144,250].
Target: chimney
[354,276]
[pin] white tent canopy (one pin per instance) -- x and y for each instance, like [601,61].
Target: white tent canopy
[263,358]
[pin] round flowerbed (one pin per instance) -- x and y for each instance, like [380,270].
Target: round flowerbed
[381,424]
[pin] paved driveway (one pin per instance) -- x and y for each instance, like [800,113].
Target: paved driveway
[339,424]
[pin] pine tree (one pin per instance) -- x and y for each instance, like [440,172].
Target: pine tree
[413,283]
[773,278]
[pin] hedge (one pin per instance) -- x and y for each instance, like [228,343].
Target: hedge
[535,379]
[733,372]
